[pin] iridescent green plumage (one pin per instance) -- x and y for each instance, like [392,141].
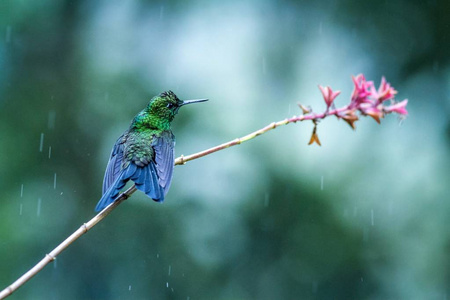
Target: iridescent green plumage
[145,152]
[158,114]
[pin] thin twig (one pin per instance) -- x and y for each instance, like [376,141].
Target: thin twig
[61,247]
[184,159]
[122,197]
[312,116]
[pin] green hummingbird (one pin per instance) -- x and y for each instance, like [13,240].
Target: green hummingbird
[145,152]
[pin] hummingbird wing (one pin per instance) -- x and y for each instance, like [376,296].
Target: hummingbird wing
[114,164]
[164,147]
[151,169]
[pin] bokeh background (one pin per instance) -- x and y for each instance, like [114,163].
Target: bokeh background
[365,216]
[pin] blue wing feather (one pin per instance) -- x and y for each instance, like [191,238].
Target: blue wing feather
[113,191]
[114,164]
[164,157]
[146,180]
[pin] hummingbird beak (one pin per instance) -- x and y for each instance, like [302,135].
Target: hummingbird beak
[193,101]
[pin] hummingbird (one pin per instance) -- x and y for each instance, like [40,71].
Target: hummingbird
[144,153]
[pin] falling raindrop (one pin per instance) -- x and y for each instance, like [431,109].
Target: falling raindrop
[20,209]
[38,212]
[157,255]
[170,269]
[8,34]
[49,152]
[21,191]
[55,264]
[129,287]
[54,182]
[41,144]
[321,183]
[167,284]
[51,119]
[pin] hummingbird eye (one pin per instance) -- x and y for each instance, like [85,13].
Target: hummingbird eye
[170,105]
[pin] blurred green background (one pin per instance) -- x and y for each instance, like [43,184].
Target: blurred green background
[365,216]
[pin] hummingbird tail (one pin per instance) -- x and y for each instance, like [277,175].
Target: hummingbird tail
[113,191]
[145,178]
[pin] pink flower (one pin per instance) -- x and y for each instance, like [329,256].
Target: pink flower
[361,91]
[399,108]
[365,100]
[385,91]
[328,94]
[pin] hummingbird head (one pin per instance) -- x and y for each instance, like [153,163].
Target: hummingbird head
[161,111]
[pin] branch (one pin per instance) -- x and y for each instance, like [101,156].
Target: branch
[61,247]
[365,100]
